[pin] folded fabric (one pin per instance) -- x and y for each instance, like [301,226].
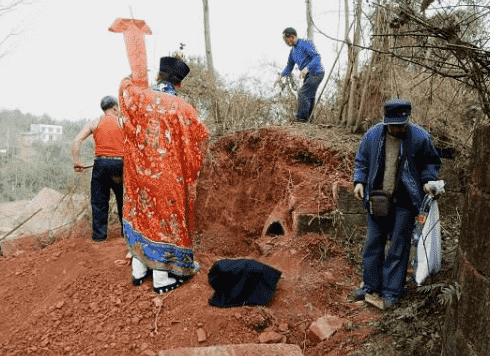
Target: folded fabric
[239,282]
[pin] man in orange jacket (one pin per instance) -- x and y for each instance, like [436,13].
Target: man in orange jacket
[107,172]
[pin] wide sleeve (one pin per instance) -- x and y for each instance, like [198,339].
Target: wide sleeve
[196,136]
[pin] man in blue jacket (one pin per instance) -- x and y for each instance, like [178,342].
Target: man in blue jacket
[397,158]
[304,54]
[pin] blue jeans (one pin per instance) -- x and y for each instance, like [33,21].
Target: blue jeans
[107,174]
[387,274]
[306,95]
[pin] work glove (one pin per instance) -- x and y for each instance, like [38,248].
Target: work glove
[303,73]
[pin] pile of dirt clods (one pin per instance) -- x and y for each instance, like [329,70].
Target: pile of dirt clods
[75,297]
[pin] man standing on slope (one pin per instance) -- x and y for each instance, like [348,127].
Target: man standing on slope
[304,54]
[107,173]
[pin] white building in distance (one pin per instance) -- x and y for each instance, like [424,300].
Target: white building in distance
[45,133]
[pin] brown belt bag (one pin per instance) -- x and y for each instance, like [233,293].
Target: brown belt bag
[379,203]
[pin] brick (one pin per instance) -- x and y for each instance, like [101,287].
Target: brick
[201,335]
[237,350]
[325,327]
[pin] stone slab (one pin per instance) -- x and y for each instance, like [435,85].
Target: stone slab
[325,327]
[57,211]
[304,223]
[347,202]
[9,213]
[237,350]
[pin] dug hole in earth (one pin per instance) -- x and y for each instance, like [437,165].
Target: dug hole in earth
[270,195]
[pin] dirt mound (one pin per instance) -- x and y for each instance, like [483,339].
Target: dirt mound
[251,174]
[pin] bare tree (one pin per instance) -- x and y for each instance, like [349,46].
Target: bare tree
[215,109]
[207,38]
[453,43]
[354,63]
[5,9]
[345,84]
[309,21]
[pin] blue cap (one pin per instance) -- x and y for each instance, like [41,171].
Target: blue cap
[289,32]
[108,102]
[176,68]
[397,112]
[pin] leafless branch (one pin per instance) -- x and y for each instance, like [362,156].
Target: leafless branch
[7,8]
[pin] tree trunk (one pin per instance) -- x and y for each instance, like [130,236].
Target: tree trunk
[355,57]
[343,90]
[309,21]
[367,82]
[467,326]
[207,38]
[215,111]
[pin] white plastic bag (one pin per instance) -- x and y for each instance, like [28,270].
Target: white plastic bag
[428,257]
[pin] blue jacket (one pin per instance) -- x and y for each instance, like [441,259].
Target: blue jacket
[304,54]
[422,162]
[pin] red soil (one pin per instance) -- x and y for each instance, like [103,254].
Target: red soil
[72,298]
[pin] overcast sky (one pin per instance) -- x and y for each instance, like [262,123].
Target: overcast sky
[65,60]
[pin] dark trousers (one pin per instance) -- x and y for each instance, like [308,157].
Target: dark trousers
[107,174]
[306,95]
[387,274]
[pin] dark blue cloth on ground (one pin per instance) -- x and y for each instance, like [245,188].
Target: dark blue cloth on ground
[239,282]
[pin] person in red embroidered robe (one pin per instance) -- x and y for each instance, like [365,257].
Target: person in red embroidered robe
[163,152]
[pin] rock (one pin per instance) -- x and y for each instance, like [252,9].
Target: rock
[270,337]
[144,346]
[149,353]
[265,248]
[325,327]
[59,305]
[375,300]
[328,277]
[283,326]
[201,335]
[237,350]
